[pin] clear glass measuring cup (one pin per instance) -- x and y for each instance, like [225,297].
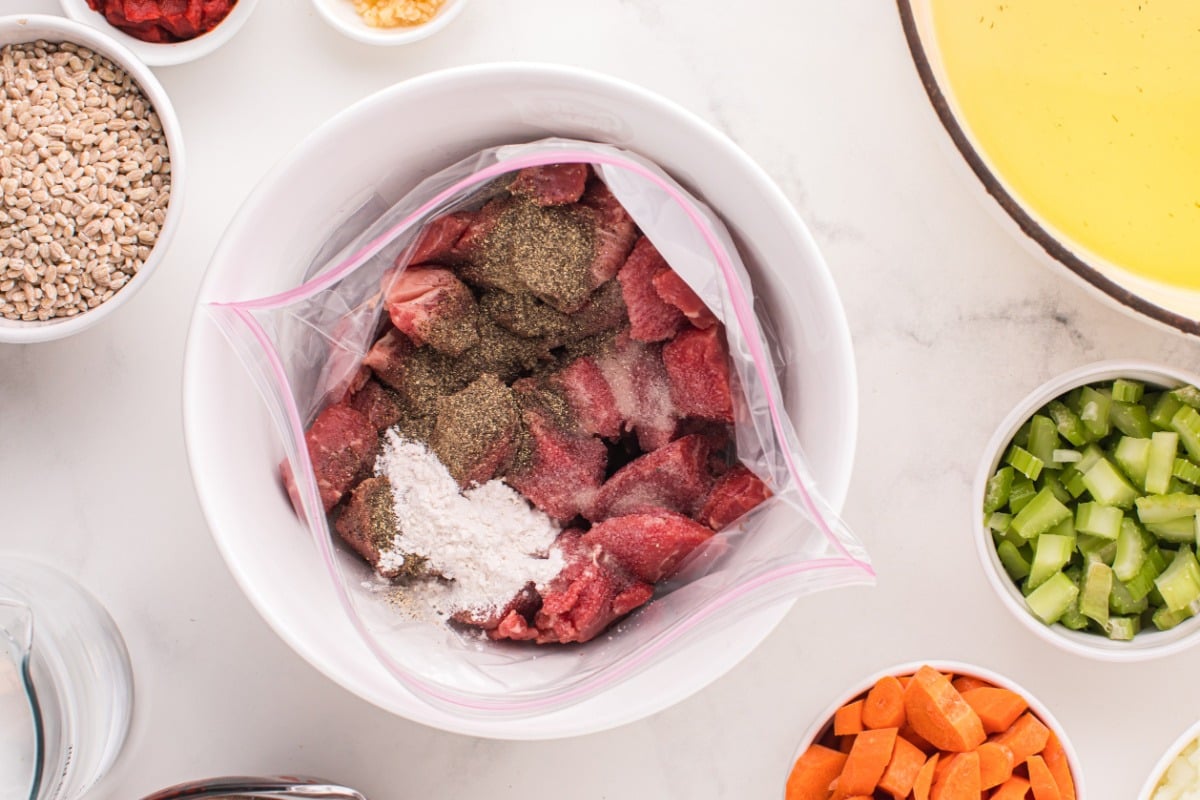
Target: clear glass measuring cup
[66,689]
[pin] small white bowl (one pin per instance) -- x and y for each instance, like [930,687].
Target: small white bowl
[32,27]
[1148,643]
[164,55]
[1168,758]
[817,729]
[342,16]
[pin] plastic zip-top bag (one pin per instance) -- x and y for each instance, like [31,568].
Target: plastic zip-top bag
[533,424]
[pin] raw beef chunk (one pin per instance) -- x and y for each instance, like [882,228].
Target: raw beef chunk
[419,375]
[638,380]
[435,244]
[650,319]
[380,404]
[433,307]
[674,477]
[368,525]
[476,431]
[649,545]
[551,185]
[735,493]
[522,607]
[526,316]
[557,470]
[697,363]
[342,444]
[476,250]
[614,231]
[673,291]
[590,398]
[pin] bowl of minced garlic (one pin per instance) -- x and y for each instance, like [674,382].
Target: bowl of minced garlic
[389,22]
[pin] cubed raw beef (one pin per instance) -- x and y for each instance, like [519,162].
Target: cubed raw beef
[735,493]
[342,445]
[673,291]
[586,597]
[476,431]
[526,316]
[524,606]
[435,243]
[589,396]
[614,228]
[649,545]
[638,380]
[697,363]
[502,353]
[674,477]
[431,306]
[420,375]
[551,185]
[368,525]
[559,471]
[380,404]
[481,261]
[650,318]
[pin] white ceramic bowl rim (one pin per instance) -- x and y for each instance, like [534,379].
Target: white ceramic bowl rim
[1148,643]
[1168,757]
[957,668]
[164,54]
[50,27]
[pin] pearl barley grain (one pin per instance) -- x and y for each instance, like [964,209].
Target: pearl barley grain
[84,174]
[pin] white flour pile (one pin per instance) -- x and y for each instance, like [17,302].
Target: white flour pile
[487,541]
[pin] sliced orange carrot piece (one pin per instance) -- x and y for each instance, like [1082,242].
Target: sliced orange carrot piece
[1026,737]
[884,704]
[995,764]
[938,713]
[867,761]
[961,781]
[943,766]
[997,708]
[901,772]
[1056,759]
[924,781]
[965,683]
[1041,781]
[915,738]
[904,680]
[848,719]
[1015,788]
[845,743]
[813,772]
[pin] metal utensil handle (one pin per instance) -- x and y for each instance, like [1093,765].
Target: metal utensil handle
[276,787]
[19,641]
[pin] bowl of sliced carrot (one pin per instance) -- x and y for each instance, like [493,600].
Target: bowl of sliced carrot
[1087,511]
[938,731]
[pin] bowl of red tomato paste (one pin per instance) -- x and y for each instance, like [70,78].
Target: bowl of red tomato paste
[164,32]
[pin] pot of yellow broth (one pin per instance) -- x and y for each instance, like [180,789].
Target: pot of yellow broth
[1081,118]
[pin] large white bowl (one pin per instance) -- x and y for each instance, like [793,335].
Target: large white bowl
[31,27]
[392,140]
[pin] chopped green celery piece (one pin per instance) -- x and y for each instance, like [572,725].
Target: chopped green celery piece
[998,521]
[1131,551]
[1108,486]
[1159,508]
[1127,391]
[1049,480]
[1164,409]
[1095,548]
[1159,556]
[1072,618]
[1074,399]
[1014,563]
[1179,584]
[1164,619]
[1094,592]
[1068,423]
[1133,457]
[1098,520]
[1021,437]
[1163,447]
[1051,599]
[1178,531]
[1021,493]
[1186,471]
[1186,423]
[1066,456]
[1043,439]
[1040,515]
[1064,528]
[1177,486]
[995,494]
[1123,629]
[1121,600]
[1130,419]
[1072,481]
[1050,554]
[1142,584]
[1024,462]
[1188,395]
[1094,410]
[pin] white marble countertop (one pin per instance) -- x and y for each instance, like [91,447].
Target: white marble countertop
[953,322]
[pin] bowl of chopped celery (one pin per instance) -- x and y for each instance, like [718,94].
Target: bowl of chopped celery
[1176,776]
[1089,508]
